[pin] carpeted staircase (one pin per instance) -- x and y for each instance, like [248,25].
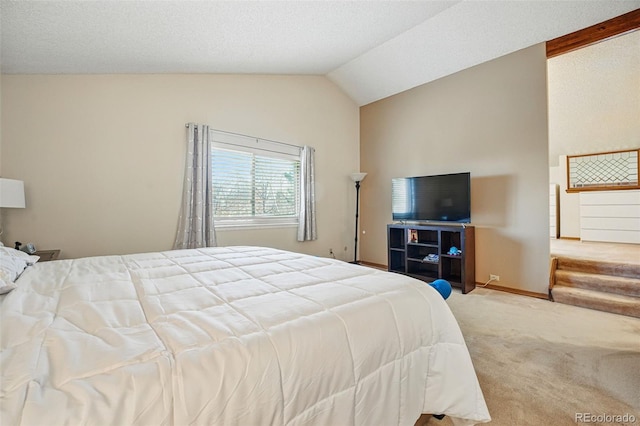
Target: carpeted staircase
[603,285]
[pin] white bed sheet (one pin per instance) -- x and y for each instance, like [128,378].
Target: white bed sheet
[229,336]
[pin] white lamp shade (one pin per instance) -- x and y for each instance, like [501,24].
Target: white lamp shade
[358,177]
[12,193]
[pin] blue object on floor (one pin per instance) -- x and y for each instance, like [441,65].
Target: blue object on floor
[443,287]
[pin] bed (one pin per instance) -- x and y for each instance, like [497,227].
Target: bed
[229,336]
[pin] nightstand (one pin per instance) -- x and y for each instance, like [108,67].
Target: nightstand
[47,255]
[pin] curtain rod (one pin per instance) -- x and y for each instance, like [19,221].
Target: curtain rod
[252,137]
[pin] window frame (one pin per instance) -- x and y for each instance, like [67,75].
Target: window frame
[265,148]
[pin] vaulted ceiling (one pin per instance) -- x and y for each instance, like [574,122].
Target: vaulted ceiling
[371,49]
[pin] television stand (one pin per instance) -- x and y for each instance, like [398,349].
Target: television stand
[424,252]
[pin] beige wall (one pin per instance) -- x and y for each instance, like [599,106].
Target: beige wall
[102,156]
[594,106]
[490,120]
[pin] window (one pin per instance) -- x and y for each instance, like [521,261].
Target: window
[255,183]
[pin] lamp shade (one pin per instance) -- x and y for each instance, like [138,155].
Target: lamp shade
[358,177]
[12,193]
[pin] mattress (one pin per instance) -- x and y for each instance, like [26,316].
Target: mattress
[229,336]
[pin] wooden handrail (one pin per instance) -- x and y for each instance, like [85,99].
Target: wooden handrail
[606,186]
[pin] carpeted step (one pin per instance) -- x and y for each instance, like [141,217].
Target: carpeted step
[605,283]
[614,303]
[618,269]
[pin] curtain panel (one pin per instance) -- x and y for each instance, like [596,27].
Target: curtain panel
[195,224]
[307,217]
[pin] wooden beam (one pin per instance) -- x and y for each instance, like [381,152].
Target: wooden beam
[594,34]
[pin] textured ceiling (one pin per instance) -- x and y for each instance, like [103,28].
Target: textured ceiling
[371,49]
[598,109]
[275,37]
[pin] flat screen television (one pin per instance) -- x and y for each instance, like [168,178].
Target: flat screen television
[436,198]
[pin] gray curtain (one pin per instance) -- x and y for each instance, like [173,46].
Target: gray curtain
[195,225]
[307,221]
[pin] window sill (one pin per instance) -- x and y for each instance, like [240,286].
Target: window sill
[231,225]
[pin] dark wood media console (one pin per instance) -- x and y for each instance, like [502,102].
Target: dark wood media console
[422,251]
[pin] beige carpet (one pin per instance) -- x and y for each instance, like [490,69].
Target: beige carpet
[540,363]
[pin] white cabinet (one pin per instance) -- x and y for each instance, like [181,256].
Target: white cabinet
[554,211]
[610,216]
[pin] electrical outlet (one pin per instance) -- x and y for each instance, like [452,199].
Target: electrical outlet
[494,277]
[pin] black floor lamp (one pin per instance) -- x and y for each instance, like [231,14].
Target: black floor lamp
[357,178]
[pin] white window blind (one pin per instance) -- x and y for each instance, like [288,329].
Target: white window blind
[400,202]
[255,182]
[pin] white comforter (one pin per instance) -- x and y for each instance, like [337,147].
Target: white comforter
[229,336]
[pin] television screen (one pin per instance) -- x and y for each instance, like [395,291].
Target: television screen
[441,198]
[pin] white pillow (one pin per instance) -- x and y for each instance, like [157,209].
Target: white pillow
[6,287]
[30,258]
[12,263]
